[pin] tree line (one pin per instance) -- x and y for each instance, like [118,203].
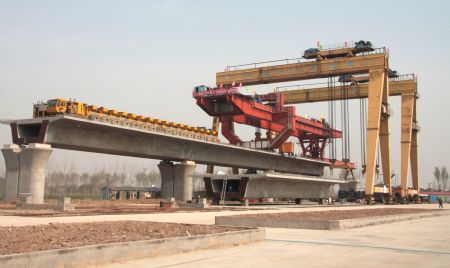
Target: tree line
[60,183]
[441,179]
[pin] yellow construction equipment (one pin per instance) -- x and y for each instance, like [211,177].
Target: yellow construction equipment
[346,49]
[71,107]
[404,84]
[374,63]
[400,85]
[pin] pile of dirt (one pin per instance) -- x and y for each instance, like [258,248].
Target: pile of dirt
[336,214]
[68,235]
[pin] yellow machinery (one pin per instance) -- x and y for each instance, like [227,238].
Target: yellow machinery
[404,86]
[338,50]
[60,106]
[71,107]
[375,63]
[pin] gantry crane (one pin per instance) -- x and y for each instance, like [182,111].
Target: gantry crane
[375,63]
[230,106]
[399,85]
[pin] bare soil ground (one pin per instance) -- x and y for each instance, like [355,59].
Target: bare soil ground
[336,214]
[57,235]
[99,207]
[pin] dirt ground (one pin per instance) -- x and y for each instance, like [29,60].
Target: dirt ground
[57,235]
[336,214]
[98,207]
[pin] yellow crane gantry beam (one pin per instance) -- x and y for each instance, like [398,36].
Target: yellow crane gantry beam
[302,70]
[354,91]
[375,63]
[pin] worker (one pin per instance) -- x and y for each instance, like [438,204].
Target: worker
[440,202]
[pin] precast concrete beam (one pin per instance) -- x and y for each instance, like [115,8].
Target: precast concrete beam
[33,168]
[183,173]
[11,154]
[74,133]
[167,179]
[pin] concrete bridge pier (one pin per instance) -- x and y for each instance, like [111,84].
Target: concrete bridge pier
[183,180]
[167,179]
[176,180]
[11,154]
[33,165]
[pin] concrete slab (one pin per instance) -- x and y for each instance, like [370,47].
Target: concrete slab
[323,224]
[416,243]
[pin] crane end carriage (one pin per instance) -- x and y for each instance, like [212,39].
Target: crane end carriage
[338,50]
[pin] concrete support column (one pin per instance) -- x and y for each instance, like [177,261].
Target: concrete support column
[33,168]
[167,179]
[183,180]
[11,155]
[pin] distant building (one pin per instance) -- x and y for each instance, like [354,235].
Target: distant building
[128,192]
[445,196]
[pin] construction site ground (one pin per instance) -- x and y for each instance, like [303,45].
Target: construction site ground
[412,243]
[335,214]
[21,239]
[101,207]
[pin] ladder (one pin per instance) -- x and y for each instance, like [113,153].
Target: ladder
[224,189]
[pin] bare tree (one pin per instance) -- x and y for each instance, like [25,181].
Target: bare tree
[437,177]
[444,178]
[147,179]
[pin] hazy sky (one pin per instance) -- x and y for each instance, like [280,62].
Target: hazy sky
[146,56]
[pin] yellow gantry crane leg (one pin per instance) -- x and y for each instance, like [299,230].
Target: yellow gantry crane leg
[408,101]
[376,89]
[414,150]
[385,137]
[407,89]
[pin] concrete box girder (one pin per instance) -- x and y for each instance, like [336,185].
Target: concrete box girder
[72,133]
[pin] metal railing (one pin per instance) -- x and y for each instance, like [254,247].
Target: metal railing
[263,64]
[350,44]
[404,77]
[379,50]
[300,87]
